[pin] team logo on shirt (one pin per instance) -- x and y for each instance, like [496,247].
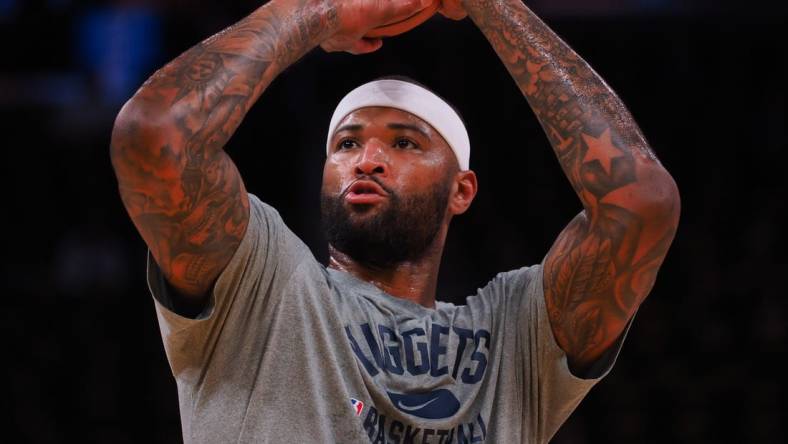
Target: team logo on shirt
[443,359]
[437,404]
[358,406]
[419,352]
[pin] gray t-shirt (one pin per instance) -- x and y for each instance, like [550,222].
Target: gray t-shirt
[290,351]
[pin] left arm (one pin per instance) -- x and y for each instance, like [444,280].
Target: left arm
[604,263]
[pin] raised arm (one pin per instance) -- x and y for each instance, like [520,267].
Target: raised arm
[181,189]
[604,263]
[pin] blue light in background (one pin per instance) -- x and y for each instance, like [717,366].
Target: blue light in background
[7,7]
[119,46]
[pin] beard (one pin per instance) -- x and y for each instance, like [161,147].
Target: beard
[401,230]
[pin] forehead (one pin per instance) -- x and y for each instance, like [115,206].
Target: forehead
[382,116]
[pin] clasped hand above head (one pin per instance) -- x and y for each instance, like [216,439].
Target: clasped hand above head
[359,21]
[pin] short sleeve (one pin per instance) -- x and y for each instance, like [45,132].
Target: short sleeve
[549,391]
[243,297]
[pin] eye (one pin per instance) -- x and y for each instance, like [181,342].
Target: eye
[346,144]
[404,143]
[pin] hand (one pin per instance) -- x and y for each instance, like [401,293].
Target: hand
[453,9]
[357,17]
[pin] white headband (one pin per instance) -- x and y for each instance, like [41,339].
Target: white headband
[413,99]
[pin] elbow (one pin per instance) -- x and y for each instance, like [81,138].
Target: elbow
[658,195]
[138,130]
[671,204]
[670,198]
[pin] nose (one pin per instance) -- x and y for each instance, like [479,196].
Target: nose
[372,159]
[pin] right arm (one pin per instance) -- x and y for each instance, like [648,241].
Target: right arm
[182,191]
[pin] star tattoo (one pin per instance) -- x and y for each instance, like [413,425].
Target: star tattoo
[601,149]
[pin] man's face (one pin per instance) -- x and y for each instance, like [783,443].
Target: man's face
[386,186]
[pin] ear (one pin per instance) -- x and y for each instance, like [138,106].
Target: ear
[463,192]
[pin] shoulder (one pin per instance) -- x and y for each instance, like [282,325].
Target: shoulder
[525,281]
[507,293]
[268,224]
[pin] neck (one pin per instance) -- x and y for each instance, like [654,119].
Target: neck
[414,280]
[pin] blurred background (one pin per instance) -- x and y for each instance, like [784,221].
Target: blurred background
[706,81]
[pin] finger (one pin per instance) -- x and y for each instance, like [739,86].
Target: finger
[452,10]
[453,15]
[396,10]
[365,46]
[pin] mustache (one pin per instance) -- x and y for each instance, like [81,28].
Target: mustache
[370,178]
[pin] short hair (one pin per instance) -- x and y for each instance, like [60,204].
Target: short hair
[403,78]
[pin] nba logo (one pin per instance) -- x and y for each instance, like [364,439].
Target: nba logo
[358,406]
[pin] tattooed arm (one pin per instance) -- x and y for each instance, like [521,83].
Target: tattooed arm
[182,191]
[604,263]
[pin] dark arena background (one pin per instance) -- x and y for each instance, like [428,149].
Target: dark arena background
[82,357]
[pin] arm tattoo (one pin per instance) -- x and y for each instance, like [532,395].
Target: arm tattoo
[182,190]
[604,263]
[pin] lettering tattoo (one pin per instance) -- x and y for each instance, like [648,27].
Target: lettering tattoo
[182,190]
[605,261]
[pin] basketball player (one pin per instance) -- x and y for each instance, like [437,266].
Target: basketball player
[268,345]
